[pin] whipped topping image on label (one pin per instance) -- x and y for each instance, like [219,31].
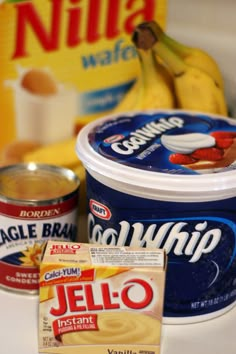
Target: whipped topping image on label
[167,179]
[187,143]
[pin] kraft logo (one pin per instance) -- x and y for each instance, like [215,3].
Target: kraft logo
[112,139]
[100,210]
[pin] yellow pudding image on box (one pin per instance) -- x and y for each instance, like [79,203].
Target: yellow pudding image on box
[100,299]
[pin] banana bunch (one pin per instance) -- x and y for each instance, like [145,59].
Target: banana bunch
[195,57]
[153,88]
[194,77]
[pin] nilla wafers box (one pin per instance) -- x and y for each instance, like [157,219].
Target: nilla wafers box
[63,63]
[100,299]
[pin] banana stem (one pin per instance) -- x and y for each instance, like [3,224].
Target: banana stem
[146,37]
[172,60]
[177,47]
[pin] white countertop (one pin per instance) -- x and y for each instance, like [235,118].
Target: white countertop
[19,333]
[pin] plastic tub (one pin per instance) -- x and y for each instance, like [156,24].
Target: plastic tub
[167,179]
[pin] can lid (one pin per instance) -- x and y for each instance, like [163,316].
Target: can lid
[162,154]
[38,183]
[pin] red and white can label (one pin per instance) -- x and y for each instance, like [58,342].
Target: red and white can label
[23,233]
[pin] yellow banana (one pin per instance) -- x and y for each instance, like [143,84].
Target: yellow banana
[153,88]
[193,56]
[194,88]
[129,100]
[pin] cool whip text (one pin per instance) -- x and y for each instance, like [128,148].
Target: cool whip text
[171,236]
[143,135]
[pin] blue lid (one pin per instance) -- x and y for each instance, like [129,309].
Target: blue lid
[168,147]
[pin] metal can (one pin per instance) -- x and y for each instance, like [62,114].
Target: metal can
[38,202]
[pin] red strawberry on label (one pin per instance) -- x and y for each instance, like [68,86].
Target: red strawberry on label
[181,159]
[209,154]
[223,135]
[224,143]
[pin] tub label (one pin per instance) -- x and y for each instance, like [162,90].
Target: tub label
[173,143]
[199,239]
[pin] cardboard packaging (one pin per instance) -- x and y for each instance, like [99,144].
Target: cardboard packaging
[98,299]
[64,63]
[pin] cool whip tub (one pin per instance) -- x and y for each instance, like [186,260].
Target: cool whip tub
[167,179]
